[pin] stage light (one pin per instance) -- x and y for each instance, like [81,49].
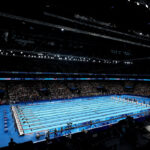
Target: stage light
[62,29]
[146,6]
[21,52]
[138,3]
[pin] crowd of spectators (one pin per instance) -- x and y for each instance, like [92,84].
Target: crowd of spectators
[12,92]
[2,91]
[59,90]
[22,92]
[142,89]
[114,89]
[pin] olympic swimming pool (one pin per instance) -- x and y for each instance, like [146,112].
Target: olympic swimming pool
[82,113]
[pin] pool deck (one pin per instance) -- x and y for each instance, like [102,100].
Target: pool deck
[79,111]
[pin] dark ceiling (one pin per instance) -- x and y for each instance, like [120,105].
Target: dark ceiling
[121,21]
[117,11]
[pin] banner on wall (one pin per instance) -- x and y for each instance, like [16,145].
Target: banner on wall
[51,79]
[60,73]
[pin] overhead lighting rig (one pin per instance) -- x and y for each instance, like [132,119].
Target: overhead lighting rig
[59,57]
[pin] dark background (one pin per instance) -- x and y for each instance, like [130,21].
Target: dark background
[122,27]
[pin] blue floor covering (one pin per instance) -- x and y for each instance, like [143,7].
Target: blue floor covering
[46,115]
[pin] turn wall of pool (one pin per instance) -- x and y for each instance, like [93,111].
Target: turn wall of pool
[62,117]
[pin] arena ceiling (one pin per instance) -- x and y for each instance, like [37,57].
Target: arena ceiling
[125,12]
[116,29]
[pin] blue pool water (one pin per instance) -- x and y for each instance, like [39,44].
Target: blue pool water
[48,115]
